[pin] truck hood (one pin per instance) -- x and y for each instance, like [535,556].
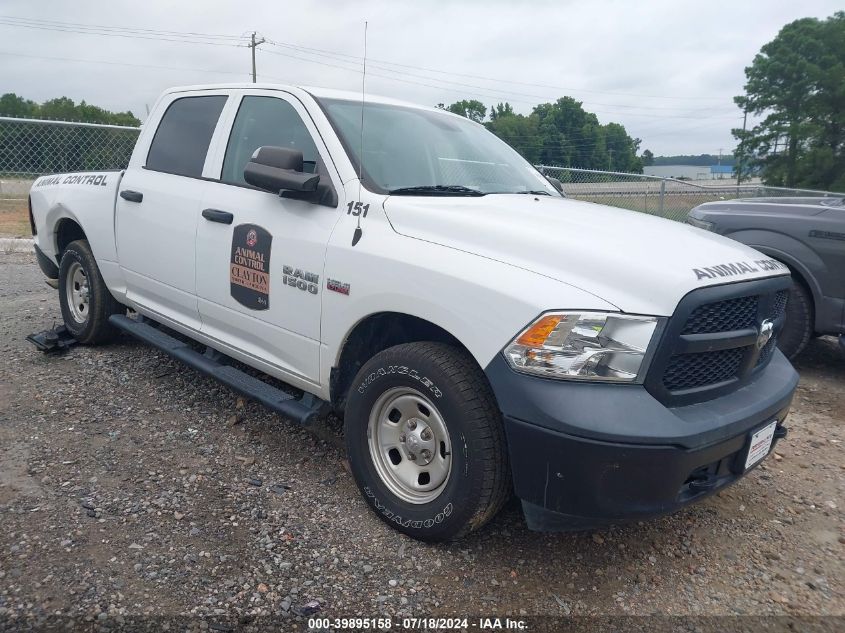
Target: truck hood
[804,207]
[641,264]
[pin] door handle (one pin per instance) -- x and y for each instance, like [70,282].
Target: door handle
[132,196]
[215,215]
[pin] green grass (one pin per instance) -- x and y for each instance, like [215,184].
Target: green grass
[14,218]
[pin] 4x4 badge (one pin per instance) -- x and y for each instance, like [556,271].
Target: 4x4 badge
[766,330]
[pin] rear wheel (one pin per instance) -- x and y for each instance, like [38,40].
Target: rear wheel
[85,301]
[425,441]
[799,321]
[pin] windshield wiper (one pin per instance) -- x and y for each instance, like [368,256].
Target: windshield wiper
[532,193]
[436,190]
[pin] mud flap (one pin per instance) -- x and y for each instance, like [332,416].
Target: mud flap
[52,341]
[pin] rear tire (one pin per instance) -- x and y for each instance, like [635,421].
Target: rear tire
[85,301]
[799,321]
[425,441]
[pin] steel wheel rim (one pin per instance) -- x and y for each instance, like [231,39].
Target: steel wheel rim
[77,292]
[404,424]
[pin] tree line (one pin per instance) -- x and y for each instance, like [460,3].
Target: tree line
[63,109]
[560,133]
[796,84]
[31,149]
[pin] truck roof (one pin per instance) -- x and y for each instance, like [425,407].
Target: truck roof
[327,93]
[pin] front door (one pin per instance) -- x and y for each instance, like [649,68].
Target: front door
[260,271]
[158,208]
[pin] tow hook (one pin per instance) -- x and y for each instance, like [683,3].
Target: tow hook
[708,482]
[781,432]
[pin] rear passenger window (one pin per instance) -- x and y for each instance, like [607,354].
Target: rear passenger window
[184,134]
[265,121]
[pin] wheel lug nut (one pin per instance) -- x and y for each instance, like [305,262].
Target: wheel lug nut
[402,437]
[412,424]
[426,454]
[412,457]
[426,434]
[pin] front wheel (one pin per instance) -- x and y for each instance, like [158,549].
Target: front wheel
[425,441]
[85,301]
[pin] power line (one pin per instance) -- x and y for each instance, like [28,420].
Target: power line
[122,34]
[498,80]
[496,93]
[113,63]
[467,93]
[230,40]
[120,28]
[342,61]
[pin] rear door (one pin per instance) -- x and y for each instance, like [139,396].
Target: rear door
[260,271]
[827,239]
[158,208]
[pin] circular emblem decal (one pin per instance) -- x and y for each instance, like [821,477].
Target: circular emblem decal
[251,238]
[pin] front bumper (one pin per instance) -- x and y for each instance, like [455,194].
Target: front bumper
[589,454]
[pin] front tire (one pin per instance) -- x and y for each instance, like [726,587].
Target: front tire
[799,321]
[425,441]
[85,301]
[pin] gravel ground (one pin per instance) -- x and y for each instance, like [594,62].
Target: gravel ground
[131,485]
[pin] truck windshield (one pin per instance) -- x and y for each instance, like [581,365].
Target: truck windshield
[411,151]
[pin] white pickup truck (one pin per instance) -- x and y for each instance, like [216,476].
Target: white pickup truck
[479,333]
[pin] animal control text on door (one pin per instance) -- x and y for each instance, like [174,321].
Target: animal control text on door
[249,267]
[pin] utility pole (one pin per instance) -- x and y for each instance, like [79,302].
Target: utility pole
[720,155]
[610,159]
[741,149]
[253,44]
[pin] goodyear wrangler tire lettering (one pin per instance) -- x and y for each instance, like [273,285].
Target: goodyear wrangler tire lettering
[403,370]
[416,524]
[249,266]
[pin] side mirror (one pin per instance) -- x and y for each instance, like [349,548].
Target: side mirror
[278,169]
[557,184]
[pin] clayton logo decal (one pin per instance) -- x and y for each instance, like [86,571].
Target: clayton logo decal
[249,267]
[251,238]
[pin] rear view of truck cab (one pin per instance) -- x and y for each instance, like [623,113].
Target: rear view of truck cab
[479,333]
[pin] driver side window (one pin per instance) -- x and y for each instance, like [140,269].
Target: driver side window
[265,121]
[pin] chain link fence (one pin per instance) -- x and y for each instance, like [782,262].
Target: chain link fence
[666,197]
[32,147]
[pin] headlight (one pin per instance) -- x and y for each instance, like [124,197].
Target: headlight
[702,224]
[583,346]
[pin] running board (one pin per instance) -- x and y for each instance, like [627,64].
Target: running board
[303,410]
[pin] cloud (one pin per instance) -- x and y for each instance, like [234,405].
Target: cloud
[666,70]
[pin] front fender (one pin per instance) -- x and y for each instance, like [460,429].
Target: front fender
[792,252]
[480,302]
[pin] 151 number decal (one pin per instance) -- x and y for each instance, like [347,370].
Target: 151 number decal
[357,208]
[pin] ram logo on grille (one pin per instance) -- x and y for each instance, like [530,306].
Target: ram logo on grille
[766,330]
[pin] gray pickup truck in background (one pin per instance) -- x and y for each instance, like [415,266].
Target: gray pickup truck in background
[807,234]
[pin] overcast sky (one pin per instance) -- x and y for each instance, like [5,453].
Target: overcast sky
[665,69]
